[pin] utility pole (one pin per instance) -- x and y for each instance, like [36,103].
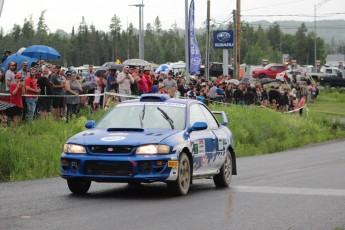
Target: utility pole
[235,76]
[238,38]
[141,28]
[207,66]
[186,42]
[127,41]
[315,35]
[1,6]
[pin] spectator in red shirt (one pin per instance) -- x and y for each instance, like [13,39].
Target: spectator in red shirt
[219,79]
[142,83]
[148,78]
[16,90]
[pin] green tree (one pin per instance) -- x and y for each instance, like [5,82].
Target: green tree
[28,32]
[274,35]
[301,52]
[115,28]
[158,26]
[262,40]
[42,29]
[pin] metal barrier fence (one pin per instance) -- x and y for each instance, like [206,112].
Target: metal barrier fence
[134,97]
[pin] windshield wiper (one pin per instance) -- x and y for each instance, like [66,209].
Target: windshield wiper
[141,116]
[166,117]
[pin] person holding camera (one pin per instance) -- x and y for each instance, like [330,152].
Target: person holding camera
[73,89]
[31,91]
[46,87]
[125,79]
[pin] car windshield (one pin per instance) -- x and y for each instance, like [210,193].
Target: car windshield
[268,66]
[147,116]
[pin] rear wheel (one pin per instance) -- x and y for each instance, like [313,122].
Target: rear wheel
[261,76]
[223,179]
[181,185]
[78,186]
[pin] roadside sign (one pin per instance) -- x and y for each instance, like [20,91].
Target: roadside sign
[223,39]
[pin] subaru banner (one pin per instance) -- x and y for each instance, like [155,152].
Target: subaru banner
[223,39]
[194,52]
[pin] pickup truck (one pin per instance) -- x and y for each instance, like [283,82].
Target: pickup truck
[269,71]
[331,80]
[325,71]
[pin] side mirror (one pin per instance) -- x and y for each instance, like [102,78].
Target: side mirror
[90,124]
[198,126]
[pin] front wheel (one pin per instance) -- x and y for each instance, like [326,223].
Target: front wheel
[181,185]
[223,179]
[78,186]
[327,85]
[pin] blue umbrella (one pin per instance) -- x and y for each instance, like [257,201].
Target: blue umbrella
[162,68]
[17,58]
[41,52]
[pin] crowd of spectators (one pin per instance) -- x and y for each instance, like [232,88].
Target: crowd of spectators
[50,89]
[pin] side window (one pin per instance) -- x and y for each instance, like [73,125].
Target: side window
[196,114]
[274,68]
[212,123]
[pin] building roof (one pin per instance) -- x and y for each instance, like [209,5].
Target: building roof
[335,57]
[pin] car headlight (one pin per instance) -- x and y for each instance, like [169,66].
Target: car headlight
[75,149]
[153,149]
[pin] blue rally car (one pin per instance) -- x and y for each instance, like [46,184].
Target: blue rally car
[153,138]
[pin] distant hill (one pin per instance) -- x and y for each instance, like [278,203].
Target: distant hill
[326,29]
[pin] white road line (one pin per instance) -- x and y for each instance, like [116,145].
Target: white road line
[289,190]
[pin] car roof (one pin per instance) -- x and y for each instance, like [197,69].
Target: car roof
[159,98]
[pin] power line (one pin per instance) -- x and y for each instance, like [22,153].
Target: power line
[229,18]
[296,27]
[292,15]
[272,5]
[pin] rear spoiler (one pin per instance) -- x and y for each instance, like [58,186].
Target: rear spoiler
[224,117]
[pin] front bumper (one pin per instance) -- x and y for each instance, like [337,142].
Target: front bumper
[143,168]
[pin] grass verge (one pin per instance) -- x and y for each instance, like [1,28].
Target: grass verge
[33,151]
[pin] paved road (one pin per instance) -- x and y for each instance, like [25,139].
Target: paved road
[298,189]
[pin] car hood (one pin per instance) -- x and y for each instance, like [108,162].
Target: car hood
[128,137]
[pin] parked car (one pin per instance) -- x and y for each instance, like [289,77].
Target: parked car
[154,138]
[216,69]
[269,71]
[291,76]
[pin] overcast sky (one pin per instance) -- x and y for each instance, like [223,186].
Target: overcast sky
[63,14]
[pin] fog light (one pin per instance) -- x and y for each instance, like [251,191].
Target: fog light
[74,164]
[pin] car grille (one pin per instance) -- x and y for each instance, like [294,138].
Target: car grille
[110,149]
[111,168]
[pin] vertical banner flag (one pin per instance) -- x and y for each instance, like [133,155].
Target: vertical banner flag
[194,52]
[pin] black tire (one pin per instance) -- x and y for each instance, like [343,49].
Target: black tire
[327,85]
[134,183]
[78,186]
[223,179]
[261,76]
[180,187]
